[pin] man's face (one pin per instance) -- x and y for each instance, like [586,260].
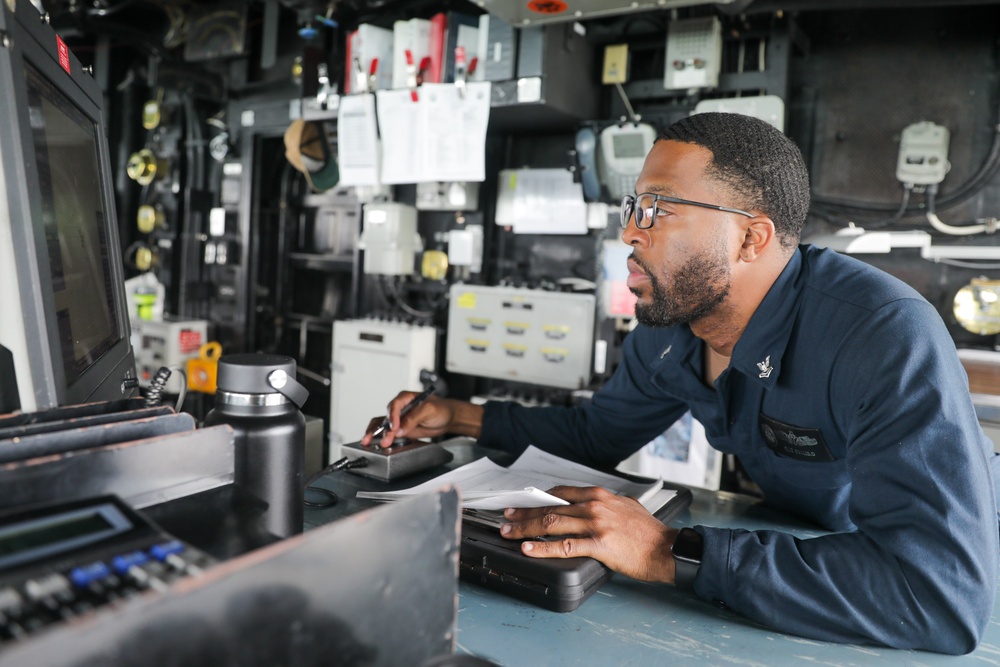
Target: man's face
[681,268]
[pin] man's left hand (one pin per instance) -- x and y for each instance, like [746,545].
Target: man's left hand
[615,530]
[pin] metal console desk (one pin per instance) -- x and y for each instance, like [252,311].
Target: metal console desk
[628,622]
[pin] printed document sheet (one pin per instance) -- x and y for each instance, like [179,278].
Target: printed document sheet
[440,137]
[484,485]
[357,140]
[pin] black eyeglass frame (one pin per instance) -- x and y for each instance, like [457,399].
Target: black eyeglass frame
[628,208]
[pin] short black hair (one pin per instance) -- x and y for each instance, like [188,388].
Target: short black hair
[761,166]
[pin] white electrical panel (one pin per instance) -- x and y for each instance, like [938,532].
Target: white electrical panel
[694,53]
[390,238]
[167,343]
[923,154]
[373,360]
[521,335]
[465,247]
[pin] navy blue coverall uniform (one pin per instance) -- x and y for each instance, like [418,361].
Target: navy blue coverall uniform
[846,403]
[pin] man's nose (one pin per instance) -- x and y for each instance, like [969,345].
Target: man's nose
[632,235]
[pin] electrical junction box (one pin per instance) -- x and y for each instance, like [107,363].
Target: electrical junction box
[615,64]
[465,247]
[923,154]
[169,343]
[373,360]
[521,335]
[498,50]
[556,81]
[390,238]
[694,54]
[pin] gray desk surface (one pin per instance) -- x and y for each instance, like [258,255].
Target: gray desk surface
[628,622]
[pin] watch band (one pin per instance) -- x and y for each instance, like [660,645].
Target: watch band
[687,549]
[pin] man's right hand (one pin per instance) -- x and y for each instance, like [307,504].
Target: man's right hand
[434,417]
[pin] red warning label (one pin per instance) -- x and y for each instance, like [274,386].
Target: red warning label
[548,6]
[63,53]
[189,341]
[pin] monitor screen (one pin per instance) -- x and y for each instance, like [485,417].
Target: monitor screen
[629,145]
[65,149]
[64,330]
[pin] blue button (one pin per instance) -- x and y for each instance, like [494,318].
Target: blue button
[161,551]
[122,563]
[82,576]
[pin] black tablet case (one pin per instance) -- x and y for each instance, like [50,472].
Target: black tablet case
[559,584]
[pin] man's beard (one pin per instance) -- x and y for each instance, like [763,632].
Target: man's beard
[696,290]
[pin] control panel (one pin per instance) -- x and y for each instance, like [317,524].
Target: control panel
[64,560]
[521,335]
[166,342]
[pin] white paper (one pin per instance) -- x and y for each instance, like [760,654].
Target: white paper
[439,137]
[399,124]
[484,485]
[357,140]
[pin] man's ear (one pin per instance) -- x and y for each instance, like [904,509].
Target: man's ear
[759,236]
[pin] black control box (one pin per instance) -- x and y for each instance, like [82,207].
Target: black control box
[63,560]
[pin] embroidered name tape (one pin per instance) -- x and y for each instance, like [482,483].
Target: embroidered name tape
[794,442]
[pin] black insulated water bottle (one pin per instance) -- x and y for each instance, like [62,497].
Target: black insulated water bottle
[259,397]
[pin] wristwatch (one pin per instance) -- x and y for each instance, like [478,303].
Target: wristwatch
[686,550]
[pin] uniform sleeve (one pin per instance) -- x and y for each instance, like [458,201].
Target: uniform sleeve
[626,413]
[920,572]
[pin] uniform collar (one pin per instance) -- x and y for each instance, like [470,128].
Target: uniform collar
[759,351]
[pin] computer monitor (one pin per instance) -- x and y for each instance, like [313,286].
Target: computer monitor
[64,331]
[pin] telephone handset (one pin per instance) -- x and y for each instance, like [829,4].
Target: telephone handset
[622,150]
[586,149]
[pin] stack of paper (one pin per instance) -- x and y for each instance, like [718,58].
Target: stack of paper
[484,485]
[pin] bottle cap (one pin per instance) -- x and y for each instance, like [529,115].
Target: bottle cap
[260,374]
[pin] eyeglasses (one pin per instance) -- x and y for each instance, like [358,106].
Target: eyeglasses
[644,207]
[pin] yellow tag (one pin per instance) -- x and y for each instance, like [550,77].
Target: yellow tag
[477,345]
[555,331]
[466,300]
[434,265]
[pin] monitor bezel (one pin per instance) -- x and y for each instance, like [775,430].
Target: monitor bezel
[31,40]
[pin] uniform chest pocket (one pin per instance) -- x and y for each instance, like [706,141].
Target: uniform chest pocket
[809,474]
[799,456]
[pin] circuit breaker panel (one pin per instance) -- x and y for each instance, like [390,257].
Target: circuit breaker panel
[521,335]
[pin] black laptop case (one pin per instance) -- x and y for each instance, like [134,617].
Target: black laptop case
[559,584]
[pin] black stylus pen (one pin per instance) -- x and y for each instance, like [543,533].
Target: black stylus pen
[421,397]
